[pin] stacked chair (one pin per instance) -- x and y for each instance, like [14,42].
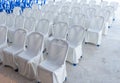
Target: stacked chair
[37,41]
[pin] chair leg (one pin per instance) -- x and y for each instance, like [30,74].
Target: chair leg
[74,64]
[65,78]
[108,26]
[38,82]
[113,19]
[16,70]
[81,57]
[98,45]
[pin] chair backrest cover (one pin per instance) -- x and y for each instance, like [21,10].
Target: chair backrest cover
[16,11]
[84,7]
[27,12]
[36,14]
[76,35]
[49,16]
[114,5]
[111,9]
[42,26]
[59,30]
[61,17]
[97,23]
[19,22]
[35,43]
[19,38]
[10,20]
[35,7]
[105,14]
[57,52]
[3,34]
[2,18]
[76,10]
[104,4]
[29,24]
[65,9]
[91,13]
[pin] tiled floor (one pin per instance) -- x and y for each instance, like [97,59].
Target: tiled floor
[98,65]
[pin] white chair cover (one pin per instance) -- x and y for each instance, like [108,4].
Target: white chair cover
[19,24]
[49,16]
[104,4]
[76,35]
[35,7]
[76,10]
[43,28]
[17,11]
[77,19]
[54,67]
[15,49]
[10,22]
[62,17]
[27,12]
[28,60]
[3,41]
[65,9]
[94,32]
[59,30]
[106,15]
[29,25]
[111,9]
[84,7]
[91,13]
[36,14]
[3,18]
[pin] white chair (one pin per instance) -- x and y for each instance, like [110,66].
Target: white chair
[104,4]
[28,60]
[54,67]
[111,9]
[43,27]
[77,19]
[19,23]
[83,2]
[92,2]
[10,22]
[76,35]
[17,11]
[94,32]
[3,41]
[59,30]
[91,13]
[62,17]
[36,14]
[29,25]
[35,7]
[49,16]
[17,47]
[3,18]
[27,12]
[65,9]
[76,10]
[84,7]
[115,5]
[106,15]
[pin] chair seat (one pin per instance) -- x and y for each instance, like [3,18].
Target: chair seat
[95,31]
[13,50]
[26,55]
[49,66]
